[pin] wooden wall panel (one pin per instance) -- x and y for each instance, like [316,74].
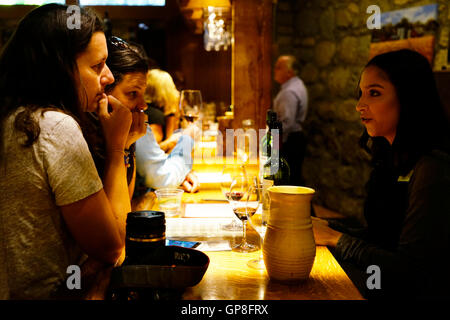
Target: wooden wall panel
[208,71]
[443,84]
[252,60]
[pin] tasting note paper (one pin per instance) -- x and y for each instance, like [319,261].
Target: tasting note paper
[211,177]
[221,245]
[210,210]
[200,227]
[207,144]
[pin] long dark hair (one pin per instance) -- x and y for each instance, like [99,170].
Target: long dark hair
[423,124]
[38,66]
[123,58]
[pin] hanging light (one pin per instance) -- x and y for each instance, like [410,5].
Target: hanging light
[217,33]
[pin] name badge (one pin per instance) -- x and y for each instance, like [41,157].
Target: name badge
[405,178]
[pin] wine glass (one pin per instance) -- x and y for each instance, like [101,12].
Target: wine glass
[258,220]
[229,173]
[191,105]
[246,142]
[242,207]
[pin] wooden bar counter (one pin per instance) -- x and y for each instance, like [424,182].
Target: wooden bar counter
[228,277]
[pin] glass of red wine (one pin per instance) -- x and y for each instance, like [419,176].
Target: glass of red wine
[229,173]
[258,220]
[238,197]
[191,105]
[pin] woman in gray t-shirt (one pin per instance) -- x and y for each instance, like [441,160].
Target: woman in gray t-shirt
[54,208]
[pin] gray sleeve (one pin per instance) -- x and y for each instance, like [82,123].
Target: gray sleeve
[71,171]
[341,226]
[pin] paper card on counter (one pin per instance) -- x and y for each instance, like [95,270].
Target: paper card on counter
[220,245]
[211,210]
[199,227]
[207,144]
[211,177]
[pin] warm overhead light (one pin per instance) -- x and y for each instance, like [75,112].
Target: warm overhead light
[208,3]
[217,34]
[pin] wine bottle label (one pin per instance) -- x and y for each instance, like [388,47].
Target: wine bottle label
[265,198]
[271,166]
[262,161]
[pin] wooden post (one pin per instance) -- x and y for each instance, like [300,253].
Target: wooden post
[251,60]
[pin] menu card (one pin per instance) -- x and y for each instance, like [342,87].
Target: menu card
[211,177]
[210,210]
[199,227]
[220,245]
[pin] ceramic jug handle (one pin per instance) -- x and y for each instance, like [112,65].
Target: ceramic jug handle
[266,196]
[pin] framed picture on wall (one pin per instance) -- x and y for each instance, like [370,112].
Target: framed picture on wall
[122,2]
[413,28]
[30,2]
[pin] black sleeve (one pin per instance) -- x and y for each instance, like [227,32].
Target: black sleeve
[411,268]
[348,228]
[155,115]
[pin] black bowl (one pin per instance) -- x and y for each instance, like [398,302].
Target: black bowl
[170,267]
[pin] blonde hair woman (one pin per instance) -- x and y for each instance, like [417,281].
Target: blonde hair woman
[161,93]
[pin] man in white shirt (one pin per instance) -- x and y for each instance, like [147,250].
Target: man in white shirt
[159,170]
[291,106]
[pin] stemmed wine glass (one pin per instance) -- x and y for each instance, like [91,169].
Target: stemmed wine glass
[191,105]
[243,206]
[229,173]
[258,220]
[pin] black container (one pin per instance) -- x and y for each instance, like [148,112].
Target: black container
[172,270]
[145,231]
[152,270]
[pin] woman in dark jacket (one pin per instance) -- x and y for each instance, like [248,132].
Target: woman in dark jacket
[407,208]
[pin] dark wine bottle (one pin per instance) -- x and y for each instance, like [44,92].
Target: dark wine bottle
[276,167]
[265,147]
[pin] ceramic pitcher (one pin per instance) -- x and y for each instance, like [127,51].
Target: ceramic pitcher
[289,248]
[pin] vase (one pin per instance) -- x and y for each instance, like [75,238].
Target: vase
[289,248]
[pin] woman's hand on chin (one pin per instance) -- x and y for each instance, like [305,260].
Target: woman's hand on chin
[138,127]
[115,124]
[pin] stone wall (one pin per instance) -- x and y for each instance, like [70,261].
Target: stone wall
[331,40]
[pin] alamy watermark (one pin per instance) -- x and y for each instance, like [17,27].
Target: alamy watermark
[238,146]
[374,280]
[374,21]
[74,19]
[248,143]
[74,280]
